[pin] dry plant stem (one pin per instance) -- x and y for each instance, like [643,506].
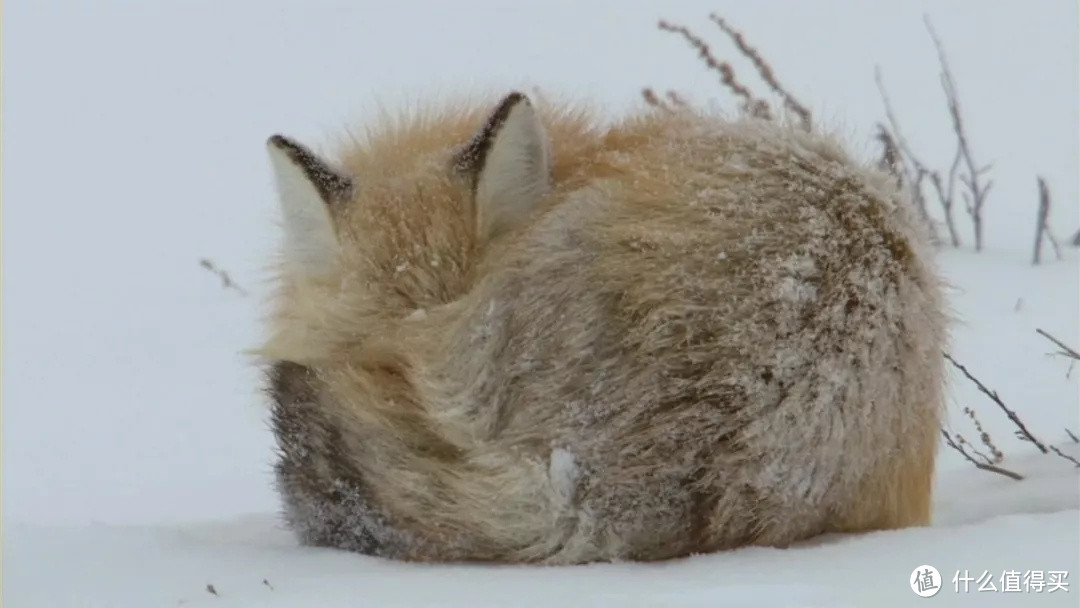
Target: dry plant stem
[652,99]
[765,70]
[1065,456]
[976,195]
[996,399]
[891,161]
[964,442]
[752,105]
[1040,221]
[1073,436]
[916,171]
[1065,350]
[981,465]
[984,437]
[946,195]
[676,99]
[1042,224]
[226,280]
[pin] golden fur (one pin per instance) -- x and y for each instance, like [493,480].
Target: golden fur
[708,334]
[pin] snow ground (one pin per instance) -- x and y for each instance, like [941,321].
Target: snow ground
[135,450]
[988,523]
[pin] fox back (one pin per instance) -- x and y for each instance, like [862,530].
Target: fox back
[515,335]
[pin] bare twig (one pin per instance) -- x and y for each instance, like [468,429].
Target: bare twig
[996,399]
[1056,451]
[977,192]
[1065,350]
[1040,221]
[670,102]
[1065,456]
[981,465]
[1073,436]
[676,99]
[1042,224]
[226,280]
[946,195]
[890,157]
[915,170]
[1023,432]
[764,69]
[653,99]
[984,437]
[964,442]
[727,73]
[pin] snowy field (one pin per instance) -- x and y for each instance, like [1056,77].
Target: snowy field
[136,452]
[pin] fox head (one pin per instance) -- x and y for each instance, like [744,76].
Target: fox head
[396,225]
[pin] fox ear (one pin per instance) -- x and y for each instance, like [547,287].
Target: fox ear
[310,194]
[509,165]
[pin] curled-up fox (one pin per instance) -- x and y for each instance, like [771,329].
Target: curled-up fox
[511,333]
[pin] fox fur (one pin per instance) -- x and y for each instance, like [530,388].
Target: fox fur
[506,333]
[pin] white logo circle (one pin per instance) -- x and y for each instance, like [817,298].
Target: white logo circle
[925,581]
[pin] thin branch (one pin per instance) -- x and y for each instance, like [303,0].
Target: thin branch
[764,69]
[1057,452]
[964,442]
[727,73]
[946,195]
[984,437]
[1040,221]
[978,192]
[996,399]
[1046,230]
[980,465]
[915,171]
[1042,224]
[226,280]
[676,99]
[1065,350]
[890,157]
[653,99]
[1073,436]
[1065,456]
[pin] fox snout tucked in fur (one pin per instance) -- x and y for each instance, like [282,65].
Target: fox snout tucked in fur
[510,334]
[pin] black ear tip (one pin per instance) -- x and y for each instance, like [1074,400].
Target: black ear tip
[502,111]
[513,98]
[291,147]
[278,141]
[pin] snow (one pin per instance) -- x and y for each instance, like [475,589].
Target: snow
[563,472]
[136,452]
[988,526]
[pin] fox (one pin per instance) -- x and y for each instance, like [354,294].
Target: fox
[512,332]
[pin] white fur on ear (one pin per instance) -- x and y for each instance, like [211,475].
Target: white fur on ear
[513,174]
[307,191]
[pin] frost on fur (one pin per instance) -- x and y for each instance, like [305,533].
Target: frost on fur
[541,340]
